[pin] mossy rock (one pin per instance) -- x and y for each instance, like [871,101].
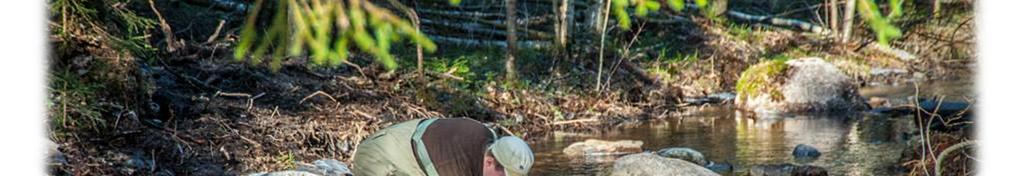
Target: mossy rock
[805,85]
[762,78]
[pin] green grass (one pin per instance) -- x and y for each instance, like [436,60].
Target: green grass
[665,65]
[286,160]
[741,31]
[119,27]
[74,103]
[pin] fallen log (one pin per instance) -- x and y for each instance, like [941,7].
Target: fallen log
[497,43]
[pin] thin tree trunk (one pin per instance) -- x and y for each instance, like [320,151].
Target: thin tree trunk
[833,14]
[509,63]
[603,31]
[937,8]
[411,13]
[719,8]
[850,8]
[563,24]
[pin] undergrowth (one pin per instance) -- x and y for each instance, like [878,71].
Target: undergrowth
[74,104]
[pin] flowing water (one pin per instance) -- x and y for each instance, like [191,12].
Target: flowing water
[851,144]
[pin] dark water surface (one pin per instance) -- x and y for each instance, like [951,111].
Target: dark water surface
[851,144]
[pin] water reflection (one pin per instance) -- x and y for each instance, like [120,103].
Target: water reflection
[850,144]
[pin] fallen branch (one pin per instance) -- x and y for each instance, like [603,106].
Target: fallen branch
[773,20]
[947,151]
[447,75]
[229,94]
[589,120]
[216,32]
[497,43]
[318,93]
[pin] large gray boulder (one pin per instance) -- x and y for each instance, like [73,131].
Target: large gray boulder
[797,86]
[647,164]
[593,147]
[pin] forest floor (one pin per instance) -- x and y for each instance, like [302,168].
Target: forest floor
[202,113]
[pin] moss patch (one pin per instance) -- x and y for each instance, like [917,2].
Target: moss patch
[757,79]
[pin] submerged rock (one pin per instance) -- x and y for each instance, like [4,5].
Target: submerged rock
[323,167]
[797,86]
[647,164]
[683,153]
[786,170]
[599,147]
[803,151]
[719,167]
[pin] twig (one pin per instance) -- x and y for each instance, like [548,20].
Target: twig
[576,121]
[930,120]
[447,75]
[318,93]
[357,68]
[625,54]
[415,22]
[363,114]
[919,123]
[274,113]
[216,32]
[228,94]
[165,28]
[252,101]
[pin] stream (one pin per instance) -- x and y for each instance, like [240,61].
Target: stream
[851,144]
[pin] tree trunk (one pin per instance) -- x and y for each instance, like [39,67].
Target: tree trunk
[509,63]
[833,14]
[603,30]
[850,9]
[719,8]
[562,23]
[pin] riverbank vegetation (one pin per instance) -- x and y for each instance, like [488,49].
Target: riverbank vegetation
[185,87]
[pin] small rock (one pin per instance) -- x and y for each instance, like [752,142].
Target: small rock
[887,71]
[809,171]
[56,158]
[330,167]
[787,170]
[722,96]
[876,102]
[323,167]
[600,147]
[139,162]
[683,153]
[771,170]
[284,173]
[647,164]
[720,167]
[803,151]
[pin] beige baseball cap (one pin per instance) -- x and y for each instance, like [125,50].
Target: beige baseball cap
[513,154]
